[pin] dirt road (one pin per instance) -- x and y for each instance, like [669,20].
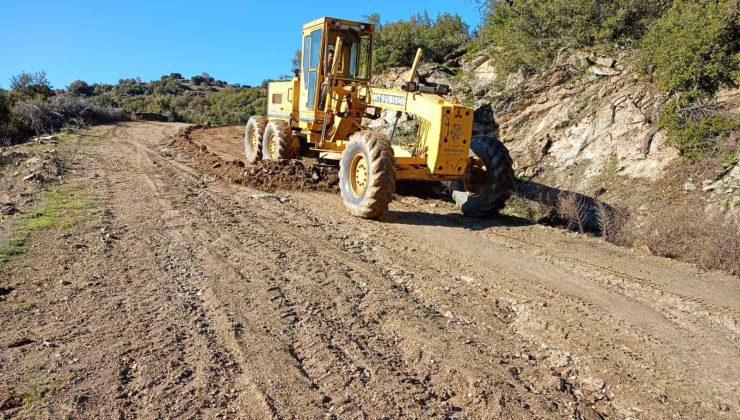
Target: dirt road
[184,296]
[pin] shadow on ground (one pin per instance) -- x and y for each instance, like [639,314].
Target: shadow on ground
[419,218]
[571,209]
[567,209]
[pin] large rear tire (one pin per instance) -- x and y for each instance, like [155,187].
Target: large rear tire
[253,138]
[367,174]
[489,179]
[277,142]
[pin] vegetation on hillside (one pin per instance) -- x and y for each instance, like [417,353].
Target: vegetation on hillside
[690,48]
[198,100]
[686,45]
[32,107]
[396,42]
[527,34]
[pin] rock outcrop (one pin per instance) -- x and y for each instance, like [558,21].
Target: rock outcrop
[576,124]
[586,123]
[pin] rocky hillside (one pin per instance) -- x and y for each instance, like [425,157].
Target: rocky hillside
[590,125]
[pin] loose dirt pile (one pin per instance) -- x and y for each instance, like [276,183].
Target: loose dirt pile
[32,164]
[24,170]
[10,155]
[266,175]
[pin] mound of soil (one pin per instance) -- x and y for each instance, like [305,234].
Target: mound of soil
[269,176]
[43,168]
[292,175]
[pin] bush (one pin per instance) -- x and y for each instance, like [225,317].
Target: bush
[12,128]
[31,85]
[573,210]
[396,43]
[229,106]
[527,34]
[80,88]
[49,116]
[82,112]
[167,86]
[203,79]
[23,115]
[695,127]
[694,46]
[687,232]
[131,87]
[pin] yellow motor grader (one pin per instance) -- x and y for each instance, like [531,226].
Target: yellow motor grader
[320,112]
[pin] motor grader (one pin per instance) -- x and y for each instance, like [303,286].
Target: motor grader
[321,110]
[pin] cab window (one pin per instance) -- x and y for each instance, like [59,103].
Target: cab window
[311,55]
[355,60]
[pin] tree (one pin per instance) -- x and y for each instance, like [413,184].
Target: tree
[295,62]
[169,86]
[396,42]
[694,46]
[31,85]
[527,34]
[80,88]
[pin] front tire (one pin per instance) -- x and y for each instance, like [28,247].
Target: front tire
[253,138]
[277,142]
[489,179]
[367,174]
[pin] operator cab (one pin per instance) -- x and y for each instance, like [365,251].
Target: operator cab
[320,38]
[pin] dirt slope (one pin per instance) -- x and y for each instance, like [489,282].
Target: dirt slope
[185,296]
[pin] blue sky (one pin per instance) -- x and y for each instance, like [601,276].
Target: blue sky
[240,41]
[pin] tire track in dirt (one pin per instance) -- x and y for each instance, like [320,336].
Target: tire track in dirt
[631,332]
[631,324]
[209,315]
[680,308]
[649,341]
[178,265]
[337,351]
[220,304]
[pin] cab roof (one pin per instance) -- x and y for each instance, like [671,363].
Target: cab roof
[368,27]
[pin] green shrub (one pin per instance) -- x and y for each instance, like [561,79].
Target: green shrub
[694,46]
[527,34]
[625,21]
[12,127]
[168,86]
[80,88]
[695,129]
[31,85]
[396,43]
[228,106]
[27,110]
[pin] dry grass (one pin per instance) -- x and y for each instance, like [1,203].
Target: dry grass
[573,209]
[680,228]
[686,232]
[612,222]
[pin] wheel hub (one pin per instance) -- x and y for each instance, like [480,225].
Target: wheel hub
[255,141]
[359,175]
[274,145]
[475,176]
